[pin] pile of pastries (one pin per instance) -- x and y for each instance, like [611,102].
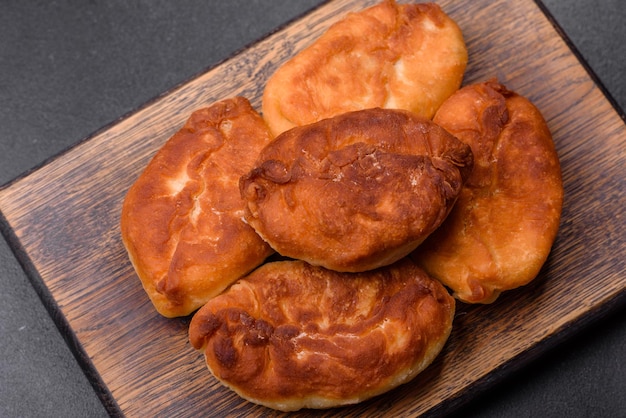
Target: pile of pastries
[320,243]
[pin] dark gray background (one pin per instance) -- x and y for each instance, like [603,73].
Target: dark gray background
[68,68]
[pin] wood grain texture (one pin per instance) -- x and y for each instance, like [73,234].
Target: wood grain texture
[63,219]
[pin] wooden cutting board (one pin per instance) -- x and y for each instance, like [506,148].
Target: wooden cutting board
[62,220]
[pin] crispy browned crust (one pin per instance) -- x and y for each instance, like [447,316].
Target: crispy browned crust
[502,227]
[293,336]
[402,56]
[181,220]
[357,191]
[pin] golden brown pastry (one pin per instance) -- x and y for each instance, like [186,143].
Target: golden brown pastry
[357,191]
[502,227]
[182,219]
[402,56]
[293,336]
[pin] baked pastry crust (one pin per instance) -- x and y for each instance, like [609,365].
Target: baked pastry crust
[404,56]
[501,230]
[181,221]
[292,336]
[357,191]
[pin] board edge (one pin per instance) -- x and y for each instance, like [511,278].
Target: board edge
[507,370]
[146,104]
[581,59]
[54,311]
